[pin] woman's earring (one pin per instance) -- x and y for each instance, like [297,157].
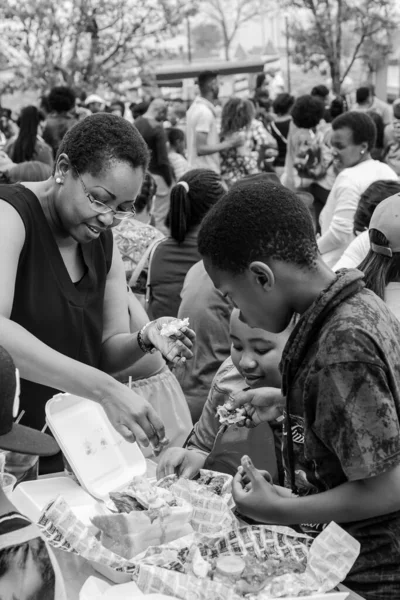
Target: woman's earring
[58,180]
[362,151]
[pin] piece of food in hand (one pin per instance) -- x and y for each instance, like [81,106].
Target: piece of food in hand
[174,327]
[228,415]
[162,444]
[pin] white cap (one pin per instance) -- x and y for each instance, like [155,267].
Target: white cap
[94,98]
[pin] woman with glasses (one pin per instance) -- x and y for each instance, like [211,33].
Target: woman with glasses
[63,301]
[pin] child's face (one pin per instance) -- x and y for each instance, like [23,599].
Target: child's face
[256,353]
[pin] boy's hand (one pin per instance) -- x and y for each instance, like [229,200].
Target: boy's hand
[180,462]
[254,496]
[262,404]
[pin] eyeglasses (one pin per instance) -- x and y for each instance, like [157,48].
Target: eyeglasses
[104,209]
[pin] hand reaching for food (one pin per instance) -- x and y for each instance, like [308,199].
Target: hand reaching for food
[181,462]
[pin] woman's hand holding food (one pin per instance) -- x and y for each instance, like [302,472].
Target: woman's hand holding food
[180,462]
[261,404]
[132,416]
[175,346]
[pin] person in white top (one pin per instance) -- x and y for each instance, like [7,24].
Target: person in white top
[203,145]
[352,139]
[381,266]
[176,152]
[367,101]
[359,247]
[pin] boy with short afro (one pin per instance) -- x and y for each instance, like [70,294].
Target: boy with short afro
[340,374]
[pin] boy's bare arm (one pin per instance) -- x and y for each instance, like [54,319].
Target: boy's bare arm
[351,501]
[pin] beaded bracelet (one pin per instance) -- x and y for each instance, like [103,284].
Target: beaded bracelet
[144,348]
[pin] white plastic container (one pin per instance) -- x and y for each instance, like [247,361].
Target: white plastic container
[102,460]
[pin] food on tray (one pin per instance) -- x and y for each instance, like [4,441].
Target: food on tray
[124,503]
[247,574]
[228,415]
[153,517]
[174,327]
[215,482]
[228,569]
[141,495]
[167,482]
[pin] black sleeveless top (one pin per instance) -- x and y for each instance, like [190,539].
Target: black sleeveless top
[67,317]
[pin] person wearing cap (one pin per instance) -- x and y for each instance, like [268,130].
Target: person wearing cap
[63,297]
[28,568]
[95,103]
[392,141]
[376,193]
[381,266]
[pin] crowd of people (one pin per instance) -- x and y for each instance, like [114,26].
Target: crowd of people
[273,224]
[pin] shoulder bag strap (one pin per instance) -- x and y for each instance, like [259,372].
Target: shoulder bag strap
[142,262]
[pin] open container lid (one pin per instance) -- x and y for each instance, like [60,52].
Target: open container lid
[102,460]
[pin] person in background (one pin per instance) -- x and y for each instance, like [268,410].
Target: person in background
[117,107]
[279,128]
[202,137]
[353,137]
[367,101]
[254,360]
[237,119]
[191,199]
[340,379]
[28,568]
[358,249]
[95,103]
[176,153]
[139,109]
[391,154]
[177,115]
[208,312]
[150,125]
[337,107]
[61,101]
[28,144]
[309,163]
[136,235]
[322,93]
[381,266]
[377,150]
[8,128]
[32,170]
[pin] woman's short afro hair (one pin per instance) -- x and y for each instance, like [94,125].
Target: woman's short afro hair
[307,111]
[257,220]
[100,139]
[361,125]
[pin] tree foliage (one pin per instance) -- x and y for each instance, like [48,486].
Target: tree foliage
[88,41]
[229,16]
[319,38]
[207,37]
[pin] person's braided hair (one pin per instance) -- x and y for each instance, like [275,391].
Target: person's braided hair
[188,208]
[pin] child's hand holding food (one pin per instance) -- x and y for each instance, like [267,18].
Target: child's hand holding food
[261,404]
[254,494]
[180,462]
